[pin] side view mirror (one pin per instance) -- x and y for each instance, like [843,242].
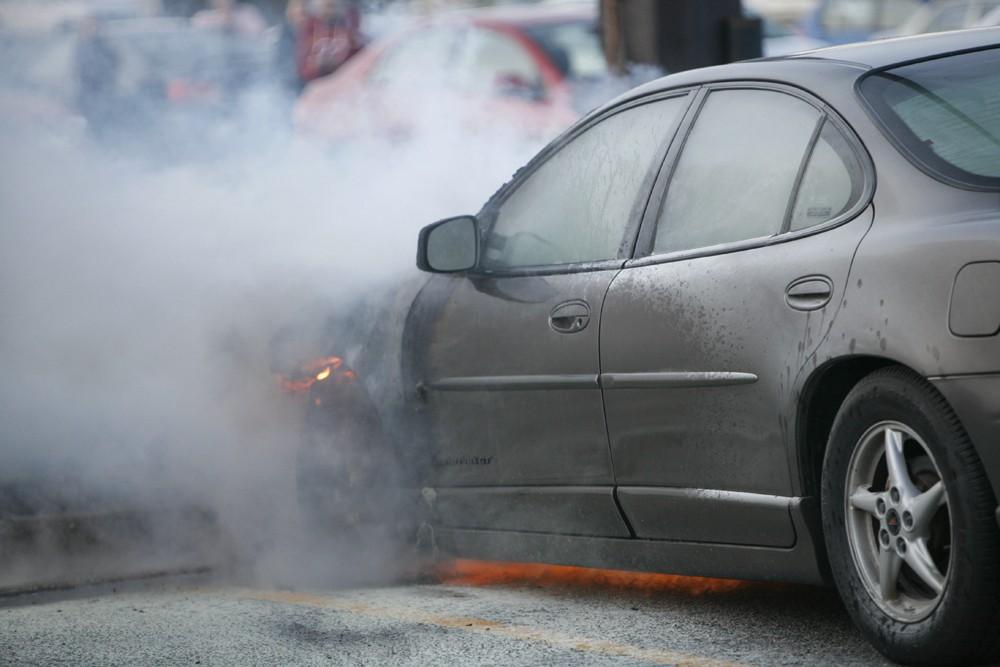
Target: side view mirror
[449,246]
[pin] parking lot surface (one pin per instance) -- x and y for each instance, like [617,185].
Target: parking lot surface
[481,614]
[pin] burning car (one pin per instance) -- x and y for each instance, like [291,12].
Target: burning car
[740,322]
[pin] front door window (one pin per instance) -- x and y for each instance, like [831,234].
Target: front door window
[577,205]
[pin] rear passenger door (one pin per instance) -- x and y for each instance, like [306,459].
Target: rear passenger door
[741,270]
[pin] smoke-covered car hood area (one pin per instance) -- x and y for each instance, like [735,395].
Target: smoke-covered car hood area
[151,302]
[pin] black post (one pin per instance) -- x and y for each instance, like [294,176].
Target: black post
[678,34]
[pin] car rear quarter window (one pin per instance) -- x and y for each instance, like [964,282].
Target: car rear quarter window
[831,183]
[944,114]
[737,171]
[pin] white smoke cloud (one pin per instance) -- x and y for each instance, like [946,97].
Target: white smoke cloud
[140,297]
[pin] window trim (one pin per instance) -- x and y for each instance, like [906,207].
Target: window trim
[972,182]
[644,254]
[793,196]
[488,214]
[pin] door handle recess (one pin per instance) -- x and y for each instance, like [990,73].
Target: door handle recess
[570,317]
[809,293]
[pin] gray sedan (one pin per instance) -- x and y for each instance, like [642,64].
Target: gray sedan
[740,322]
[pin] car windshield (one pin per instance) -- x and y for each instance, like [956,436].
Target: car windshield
[945,114]
[573,46]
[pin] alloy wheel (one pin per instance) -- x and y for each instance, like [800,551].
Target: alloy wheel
[898,521]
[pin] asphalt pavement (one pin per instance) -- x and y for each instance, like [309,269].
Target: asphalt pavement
[482,614]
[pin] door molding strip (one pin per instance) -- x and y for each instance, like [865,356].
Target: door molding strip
[515,383]
[662,380]
[675,379]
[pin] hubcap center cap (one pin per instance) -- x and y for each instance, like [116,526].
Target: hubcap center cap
[892,521]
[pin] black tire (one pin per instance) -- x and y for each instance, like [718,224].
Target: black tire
[961,626]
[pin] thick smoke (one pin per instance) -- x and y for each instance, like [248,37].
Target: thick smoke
[141,294]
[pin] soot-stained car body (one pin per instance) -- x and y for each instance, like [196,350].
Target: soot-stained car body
[740,322]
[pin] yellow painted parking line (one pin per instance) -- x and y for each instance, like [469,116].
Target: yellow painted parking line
[484,626]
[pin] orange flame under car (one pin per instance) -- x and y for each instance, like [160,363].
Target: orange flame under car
[483,573]
[311,372]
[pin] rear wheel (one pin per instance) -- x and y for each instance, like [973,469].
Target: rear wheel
[908,516]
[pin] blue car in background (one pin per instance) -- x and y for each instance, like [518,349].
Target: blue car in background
[843,21]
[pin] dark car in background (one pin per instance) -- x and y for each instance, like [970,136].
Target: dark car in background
[36,85]
[169,60]
[740,322]
[176,83]
[530,70]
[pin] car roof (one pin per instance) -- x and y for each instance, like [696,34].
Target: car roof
[885,52]
[827,71]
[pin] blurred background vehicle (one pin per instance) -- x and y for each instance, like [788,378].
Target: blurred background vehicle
[36,82]
[780,40]
[41,16]
[843,21]
[532,68]
[788,12]
[175,65]
[946,15]
[174,82]
[155,81]
[385,68]
[991,19]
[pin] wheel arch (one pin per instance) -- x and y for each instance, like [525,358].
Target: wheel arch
[819,401]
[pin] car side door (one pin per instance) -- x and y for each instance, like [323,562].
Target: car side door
[507,354]
[740,271]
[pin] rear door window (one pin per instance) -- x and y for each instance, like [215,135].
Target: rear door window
[737,171]
[757,163]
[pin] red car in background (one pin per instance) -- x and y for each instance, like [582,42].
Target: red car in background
[526,70]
